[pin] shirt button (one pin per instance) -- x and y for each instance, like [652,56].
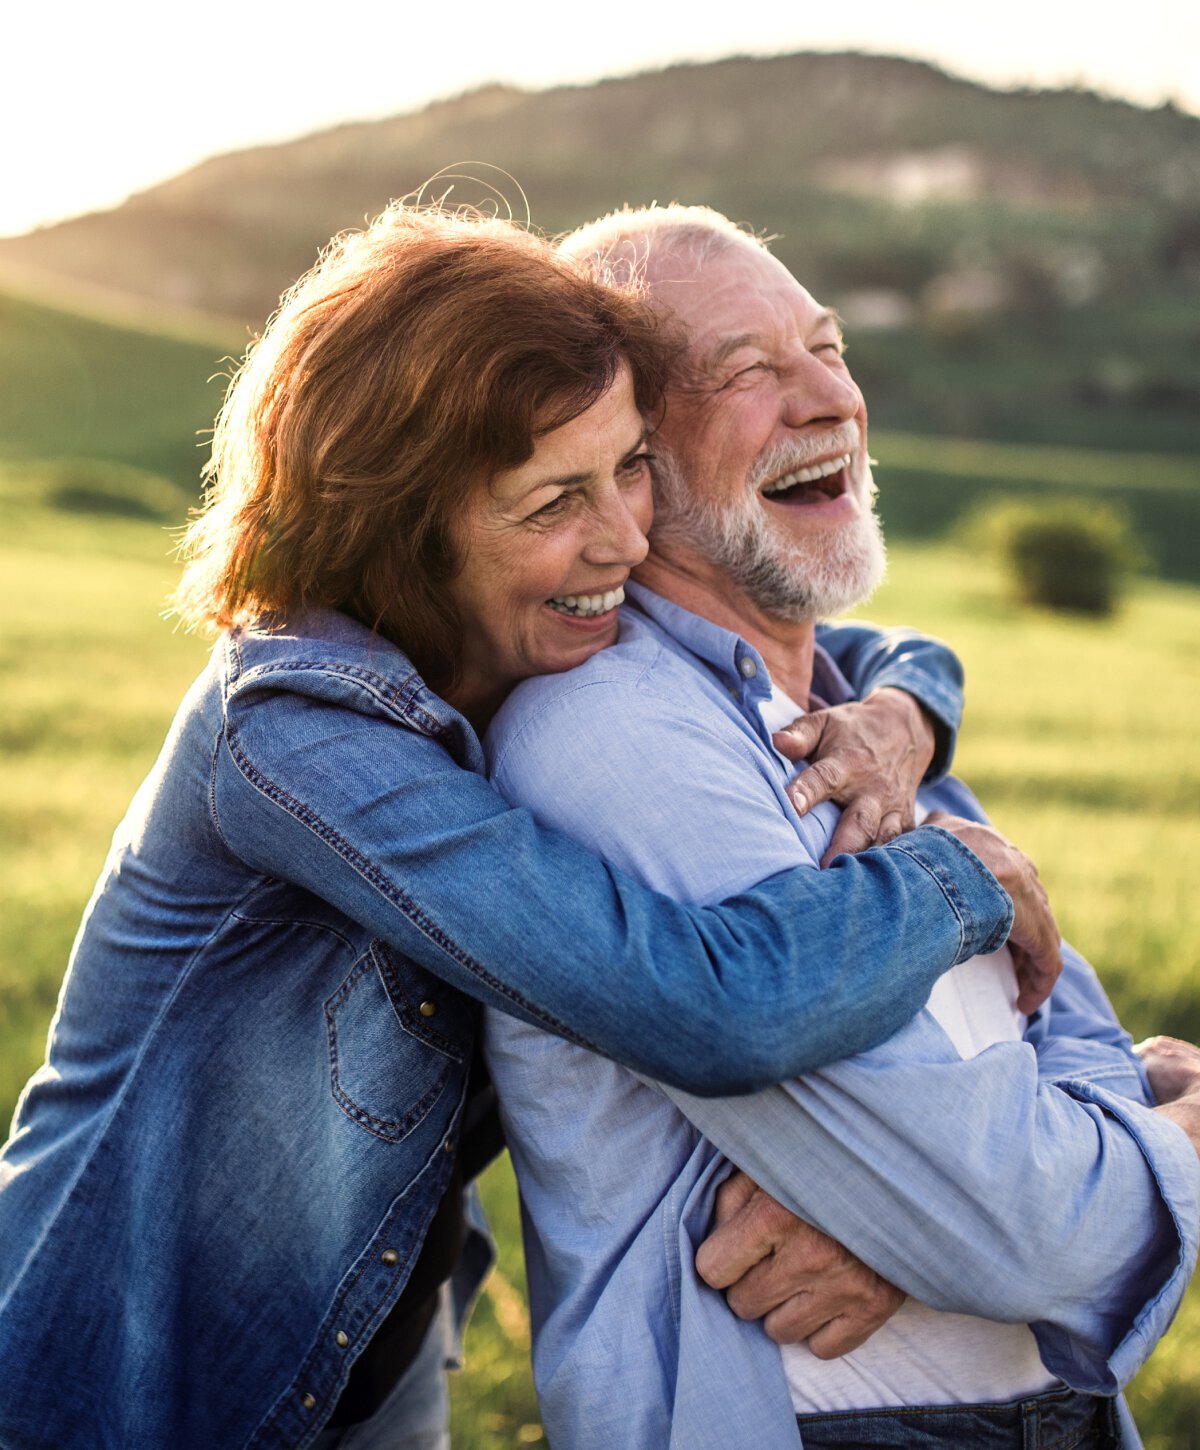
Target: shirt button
[390,1257]
[342,1339]
[428,1009]
[747,667]
[309,1402]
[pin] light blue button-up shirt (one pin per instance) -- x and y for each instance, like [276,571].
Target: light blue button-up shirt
[1029,1184]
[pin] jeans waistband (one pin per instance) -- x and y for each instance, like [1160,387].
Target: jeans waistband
[1058,1420]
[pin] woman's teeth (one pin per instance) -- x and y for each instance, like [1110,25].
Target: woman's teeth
[814,474]
[583,606]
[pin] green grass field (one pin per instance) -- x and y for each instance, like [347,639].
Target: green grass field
[1080,737]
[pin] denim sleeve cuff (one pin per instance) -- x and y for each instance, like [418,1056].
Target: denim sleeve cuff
[981,905]
[1175,1167]
[942,702]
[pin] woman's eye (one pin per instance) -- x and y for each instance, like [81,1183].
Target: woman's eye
[555,506]
[636,465]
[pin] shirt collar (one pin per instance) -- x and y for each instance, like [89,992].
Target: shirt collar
[737,664]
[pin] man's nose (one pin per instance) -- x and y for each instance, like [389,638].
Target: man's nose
[619,537]
[818,394]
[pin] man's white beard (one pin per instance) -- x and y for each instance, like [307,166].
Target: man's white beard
[808,579]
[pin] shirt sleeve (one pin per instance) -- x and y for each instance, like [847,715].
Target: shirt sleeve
[961,1181]
[930,671]
[380,821]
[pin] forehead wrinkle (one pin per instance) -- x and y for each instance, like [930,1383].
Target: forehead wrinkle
[550,479]
[732,344]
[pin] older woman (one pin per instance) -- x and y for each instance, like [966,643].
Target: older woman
[257,1089]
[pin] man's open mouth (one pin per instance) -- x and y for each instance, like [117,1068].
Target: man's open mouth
[814,484]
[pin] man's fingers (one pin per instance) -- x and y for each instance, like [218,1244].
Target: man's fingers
[845,1333]
[761,1290]
[795,1320]
[743,1241]
[857,829]
[820,782]
[892,825]
[802,737]
[733,1195]
[831,1328]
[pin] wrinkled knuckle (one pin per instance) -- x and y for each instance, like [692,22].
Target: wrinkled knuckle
[770,1217]
[866,812]
[831,773]
[829,1348]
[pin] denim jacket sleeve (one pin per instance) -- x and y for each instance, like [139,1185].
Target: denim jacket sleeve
[378,818]
[927,669]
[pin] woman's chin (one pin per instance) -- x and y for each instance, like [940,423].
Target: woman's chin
[577,640]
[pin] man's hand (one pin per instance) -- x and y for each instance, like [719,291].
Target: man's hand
[869,758]
[1035,941]
[1173,1068]
[802,1284]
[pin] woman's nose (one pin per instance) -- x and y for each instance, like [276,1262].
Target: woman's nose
[619,537]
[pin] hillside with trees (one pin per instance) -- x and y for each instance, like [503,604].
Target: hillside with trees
[1012,264]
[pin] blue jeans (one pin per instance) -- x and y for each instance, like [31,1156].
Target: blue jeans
[416,1415]
[1060,1420]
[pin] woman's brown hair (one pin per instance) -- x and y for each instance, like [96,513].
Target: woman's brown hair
[417,358]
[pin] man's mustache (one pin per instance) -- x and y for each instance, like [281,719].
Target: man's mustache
[792,454]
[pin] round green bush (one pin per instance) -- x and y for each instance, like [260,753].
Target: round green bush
[1071,555]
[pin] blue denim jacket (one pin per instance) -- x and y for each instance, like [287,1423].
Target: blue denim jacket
[218,1183]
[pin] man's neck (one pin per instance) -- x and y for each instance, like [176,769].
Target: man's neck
[785,645]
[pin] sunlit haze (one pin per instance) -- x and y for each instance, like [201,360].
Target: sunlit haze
[100,101]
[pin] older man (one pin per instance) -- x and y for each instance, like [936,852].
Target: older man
[1011,1176]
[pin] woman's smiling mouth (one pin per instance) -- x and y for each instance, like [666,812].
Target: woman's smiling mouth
[587,606]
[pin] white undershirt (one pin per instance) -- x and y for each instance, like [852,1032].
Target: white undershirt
[922,1356]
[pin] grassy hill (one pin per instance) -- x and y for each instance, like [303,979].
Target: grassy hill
[1033,254]
[86,387]
[772,141]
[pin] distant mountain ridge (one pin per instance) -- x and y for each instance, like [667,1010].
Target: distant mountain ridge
[877,172]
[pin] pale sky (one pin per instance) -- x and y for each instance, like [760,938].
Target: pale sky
[99,100]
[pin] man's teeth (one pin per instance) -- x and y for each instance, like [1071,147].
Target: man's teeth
[583,606]
[808,475]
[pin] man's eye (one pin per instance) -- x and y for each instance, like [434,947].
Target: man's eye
[747,372]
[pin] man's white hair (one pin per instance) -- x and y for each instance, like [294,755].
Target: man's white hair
[632,249]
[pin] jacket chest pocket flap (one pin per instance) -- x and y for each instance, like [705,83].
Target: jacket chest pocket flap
[396,1035]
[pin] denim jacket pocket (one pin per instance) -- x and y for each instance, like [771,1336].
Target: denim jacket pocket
[396,1036]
